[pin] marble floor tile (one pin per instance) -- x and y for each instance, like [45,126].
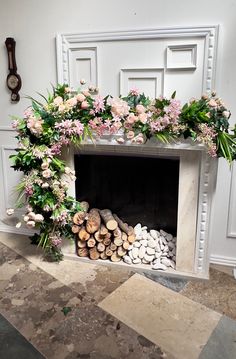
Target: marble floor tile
[224,269]
[222,342]
[13,345]
[176,284]
[218,293]
[168,319]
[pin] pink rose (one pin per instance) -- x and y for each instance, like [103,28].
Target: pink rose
[86,93]
[140,139]
[58,100]
[80,97]
[131,119]
[61,108]
[140,109]
[142,117]
[30,224]
[72,102]
[130,135]
[84,105]
[44,165]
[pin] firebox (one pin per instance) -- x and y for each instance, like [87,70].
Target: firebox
[138,189]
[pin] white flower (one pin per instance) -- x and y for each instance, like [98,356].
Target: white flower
[82,82]
[47,173]
[44,165]
[10,211]
[29,208]
[26,218]
[120,140]
[45,185]
[226,114]
[39,218]
[30,224]
[31,215]
[67,170]
[18,225]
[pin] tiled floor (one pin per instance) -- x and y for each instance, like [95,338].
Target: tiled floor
[79,310]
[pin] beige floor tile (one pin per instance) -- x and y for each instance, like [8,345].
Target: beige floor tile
[14,241]
[225,269]
[177,324]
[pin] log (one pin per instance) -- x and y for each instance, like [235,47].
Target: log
[108,219]
[103,230]
[103,255]
[98,237]
[106,241]
[108,252]
[81,244]
[126,245]
[115,257]
[124,236]
[94,221]
[121,251]
[75,229]
[118,241]
[117,232]
[101,247]
[124,226]
[93,253]
[83,252]
[79,217]
[113,246]
[91,242]
[83,234]
[131,238]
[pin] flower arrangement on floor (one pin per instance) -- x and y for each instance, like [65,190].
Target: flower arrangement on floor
[67,118]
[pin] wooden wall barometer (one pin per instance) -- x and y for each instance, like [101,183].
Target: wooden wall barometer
[13,79]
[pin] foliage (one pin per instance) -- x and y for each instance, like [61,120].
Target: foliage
[66,117]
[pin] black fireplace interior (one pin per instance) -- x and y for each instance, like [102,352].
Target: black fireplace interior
[138,189]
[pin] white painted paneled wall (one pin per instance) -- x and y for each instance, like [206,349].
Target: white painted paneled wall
[34,25]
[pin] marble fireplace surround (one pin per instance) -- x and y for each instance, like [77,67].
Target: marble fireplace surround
[197,179]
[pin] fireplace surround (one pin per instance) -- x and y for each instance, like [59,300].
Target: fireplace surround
[196,187]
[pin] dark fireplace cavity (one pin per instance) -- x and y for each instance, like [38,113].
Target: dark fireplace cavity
[138,189]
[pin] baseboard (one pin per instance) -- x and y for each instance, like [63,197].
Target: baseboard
[223,260]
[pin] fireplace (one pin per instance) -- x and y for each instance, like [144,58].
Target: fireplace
[183,207]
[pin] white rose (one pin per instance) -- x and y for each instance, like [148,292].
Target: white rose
[39,218]
[26,218]
[45,185]
[226,114]
[30,224]
[10,211]
[31,215]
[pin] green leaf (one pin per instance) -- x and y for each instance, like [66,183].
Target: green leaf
[66,310]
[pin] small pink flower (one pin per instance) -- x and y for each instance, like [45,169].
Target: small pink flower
[82,81]
[140,139]
[212,103]
[10,211]
[58,101]
[134,91]
[80,97]
[130,135]
[39,218]
[47,173]
[86,93]
[68,89]
[140,109]
[30,224]
[84,105]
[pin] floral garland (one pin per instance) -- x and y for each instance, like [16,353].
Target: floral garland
[68,117]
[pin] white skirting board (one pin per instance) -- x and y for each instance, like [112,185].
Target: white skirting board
[223,260]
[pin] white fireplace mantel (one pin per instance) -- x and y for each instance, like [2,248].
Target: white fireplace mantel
[197,179]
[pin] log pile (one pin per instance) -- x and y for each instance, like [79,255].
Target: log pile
[101,234]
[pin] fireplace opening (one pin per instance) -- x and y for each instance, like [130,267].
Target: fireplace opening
[138,189]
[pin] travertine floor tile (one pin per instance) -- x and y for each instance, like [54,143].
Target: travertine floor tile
[177,324]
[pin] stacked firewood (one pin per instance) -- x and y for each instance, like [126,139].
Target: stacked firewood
[101,234]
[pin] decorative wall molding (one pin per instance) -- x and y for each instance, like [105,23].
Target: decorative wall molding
[67,42]
[132,77]
[175,59]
